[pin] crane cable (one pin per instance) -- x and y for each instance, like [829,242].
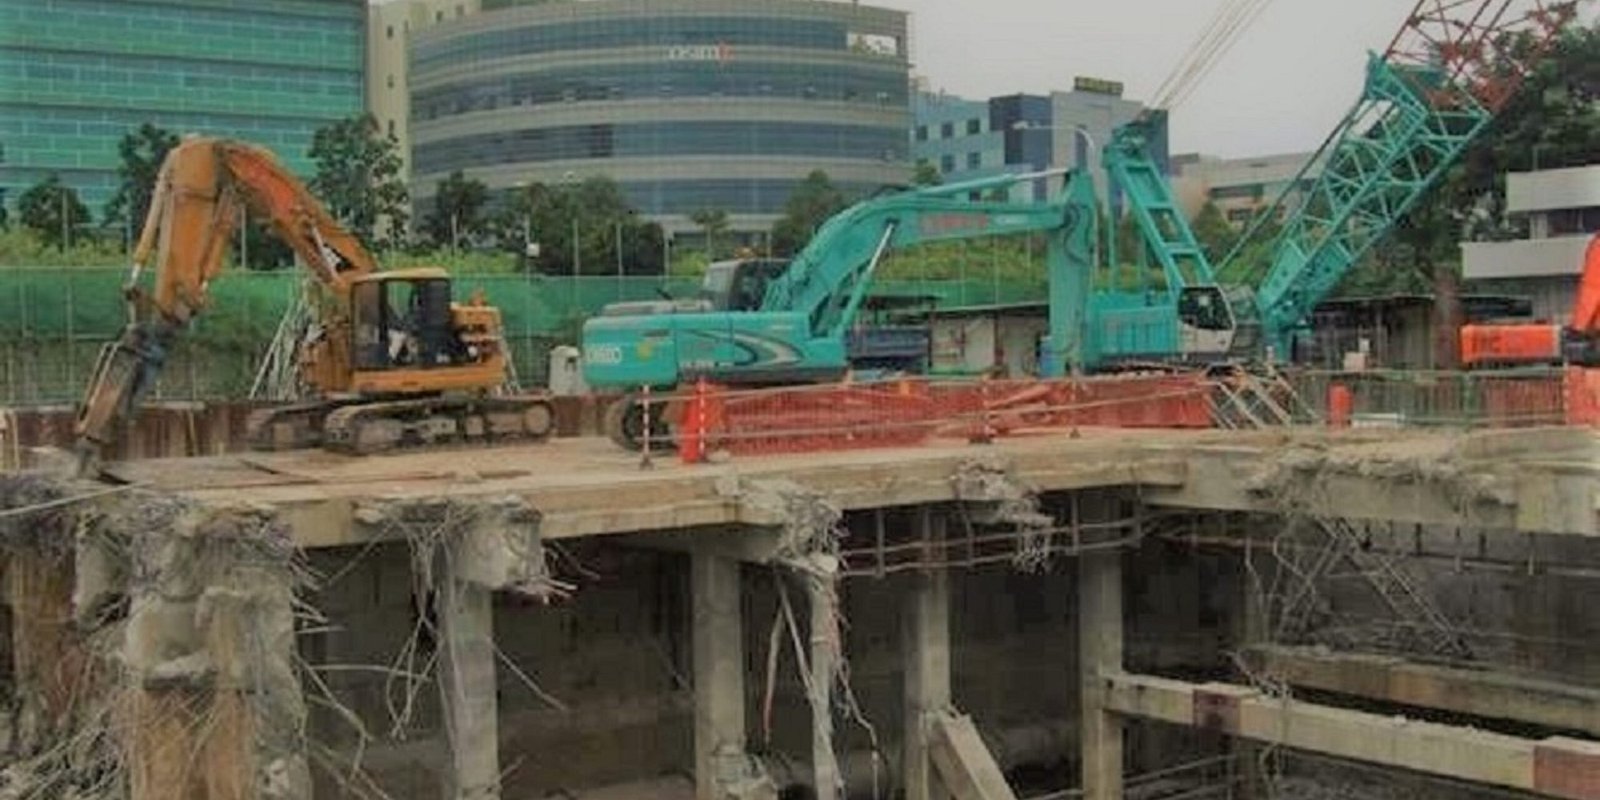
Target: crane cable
[1231,19]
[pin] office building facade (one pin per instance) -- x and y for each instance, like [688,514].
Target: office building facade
[974,139]
[1239,187]
[77,75]
[688,105]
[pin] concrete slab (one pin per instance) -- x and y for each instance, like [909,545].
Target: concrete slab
[586,487]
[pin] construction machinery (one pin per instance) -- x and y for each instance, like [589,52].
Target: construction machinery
[1520,344]
[390,359]
[773,322]
[1432,93]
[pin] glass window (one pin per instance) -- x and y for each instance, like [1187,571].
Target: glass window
[974,126]
[947,130]
[974,160]
[389,32]
[947,163]
[922,133]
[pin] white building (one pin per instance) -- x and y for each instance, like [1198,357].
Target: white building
[389,27]
[1239,187]
[1562,208]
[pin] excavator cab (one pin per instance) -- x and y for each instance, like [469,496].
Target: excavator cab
[740,285]
[403,320]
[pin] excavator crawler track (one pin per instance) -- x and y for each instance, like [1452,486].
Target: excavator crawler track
[365,427]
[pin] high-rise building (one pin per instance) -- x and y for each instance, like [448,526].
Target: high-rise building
[688,105]
[77,75]
[972,139]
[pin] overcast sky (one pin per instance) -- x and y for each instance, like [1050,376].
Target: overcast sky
[1284,84]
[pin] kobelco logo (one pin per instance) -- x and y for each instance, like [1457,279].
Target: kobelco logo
[721,52]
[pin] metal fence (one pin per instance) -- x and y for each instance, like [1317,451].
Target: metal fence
[1498,398]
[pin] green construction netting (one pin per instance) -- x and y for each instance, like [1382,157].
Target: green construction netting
[52,322]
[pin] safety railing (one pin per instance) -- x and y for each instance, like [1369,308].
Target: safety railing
[1497,398]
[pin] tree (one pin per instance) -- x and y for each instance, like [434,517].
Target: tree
[457,217]
[359,178]
[1211,229]
[812,202]
[714,221]
[53,211]
[142,150]
[926,174]
[596,211]
[1552,121]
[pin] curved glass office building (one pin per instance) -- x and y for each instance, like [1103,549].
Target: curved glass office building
[688,104]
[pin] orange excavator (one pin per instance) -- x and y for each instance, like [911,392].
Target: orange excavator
[390,360]
[1578,343]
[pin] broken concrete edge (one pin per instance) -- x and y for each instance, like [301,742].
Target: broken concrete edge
[199,677]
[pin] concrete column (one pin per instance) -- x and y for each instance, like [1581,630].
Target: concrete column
[1099,654]
[926,655]
[467,688]
[1252,630]
[824,644]
[718,672]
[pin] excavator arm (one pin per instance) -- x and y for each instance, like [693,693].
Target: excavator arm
[194,209]
[829,278]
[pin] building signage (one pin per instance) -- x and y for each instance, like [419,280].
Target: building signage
[721,52]
[875,43]
[1097,86]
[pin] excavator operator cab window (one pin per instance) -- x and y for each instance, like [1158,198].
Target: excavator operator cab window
[740,285]
[403,324]
[1205,308]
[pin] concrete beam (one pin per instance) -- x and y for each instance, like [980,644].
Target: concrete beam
[468,690]
[1100,659]
[755,545]
[1480,693]
[965,764]
[926,656]
[1558,767]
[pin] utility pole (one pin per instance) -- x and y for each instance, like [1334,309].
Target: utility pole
[619,260]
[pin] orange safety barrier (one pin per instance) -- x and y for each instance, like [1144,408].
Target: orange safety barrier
[833,417]
[1513,401]
[1582,394]
[1341,405]
[906,412]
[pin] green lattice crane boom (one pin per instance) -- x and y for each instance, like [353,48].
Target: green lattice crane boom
[1452,66]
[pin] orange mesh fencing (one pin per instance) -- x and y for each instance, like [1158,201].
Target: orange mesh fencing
[1582,388]
[1514,401]
[911,411]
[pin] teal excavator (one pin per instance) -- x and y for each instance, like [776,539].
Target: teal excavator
[1433,92]
[764,322]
